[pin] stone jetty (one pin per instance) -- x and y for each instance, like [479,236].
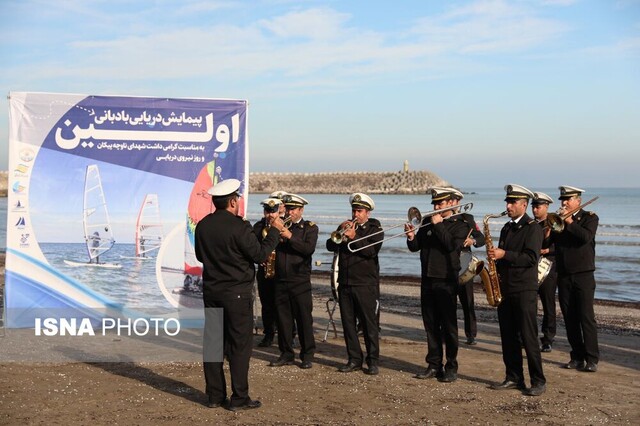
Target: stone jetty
[400,182]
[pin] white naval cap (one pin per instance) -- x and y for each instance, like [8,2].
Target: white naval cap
[439,193]
[517,192]
[541,198]
[293,200]
[225,187]
[271,205]
[359,199]
[456,193]
[567,191]
[278,194]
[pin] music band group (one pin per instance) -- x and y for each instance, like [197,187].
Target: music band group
[282,244]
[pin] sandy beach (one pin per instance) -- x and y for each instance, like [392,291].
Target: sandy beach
[172,393]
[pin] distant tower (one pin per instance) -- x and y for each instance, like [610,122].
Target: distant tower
[405,167]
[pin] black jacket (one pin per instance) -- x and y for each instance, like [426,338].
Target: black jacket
[518,269]
[576,244]
[440,247]
[293,256]
[362,267]
[476,234]
[228,250]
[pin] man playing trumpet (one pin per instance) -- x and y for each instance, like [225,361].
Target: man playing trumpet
[439,245]
[359,279]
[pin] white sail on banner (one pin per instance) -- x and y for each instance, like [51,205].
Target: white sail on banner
[149,231]
[98,234]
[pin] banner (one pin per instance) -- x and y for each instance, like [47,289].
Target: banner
[104,196]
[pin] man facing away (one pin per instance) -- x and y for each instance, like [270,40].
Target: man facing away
[228,249]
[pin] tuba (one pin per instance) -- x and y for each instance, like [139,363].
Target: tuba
[489,275]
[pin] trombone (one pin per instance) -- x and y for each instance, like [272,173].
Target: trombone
[415,219]
[555,221]
[338,236]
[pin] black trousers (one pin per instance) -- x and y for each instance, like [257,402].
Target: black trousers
[293,308]
[267,294]
[547,293]
[465,294]
[238,342]
[438,299]
[575,294]
[518,320]
[361,303]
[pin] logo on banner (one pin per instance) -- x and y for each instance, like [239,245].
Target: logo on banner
[21,223]
[18,206]
[26,154]
[21,170]
[24,240]
[18,188]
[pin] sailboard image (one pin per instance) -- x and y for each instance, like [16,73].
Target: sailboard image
[98,234]
[149,230]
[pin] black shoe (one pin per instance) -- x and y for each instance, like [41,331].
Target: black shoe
[508,384]
[306,365]
[266,341]
[215,403]
[246,406]
[471,341]
[536,390]
[574,365]
[448,377]
[546,347]
[280,362]
[591,367]
[372,370]
[429,373]
[349,367]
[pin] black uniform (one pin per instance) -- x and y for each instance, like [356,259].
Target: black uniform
[440,247]
[465,290]
[228,249]
[547,293]
[293,290]
[359,291]
[266,292]
[575,256]
[518,272]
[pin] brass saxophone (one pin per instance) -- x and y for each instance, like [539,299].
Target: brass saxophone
[270,263]
[489,275]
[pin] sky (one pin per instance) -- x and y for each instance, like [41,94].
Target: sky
[483,93]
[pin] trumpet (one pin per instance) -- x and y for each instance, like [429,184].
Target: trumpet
[338,236]
[555,221]
[415,219]
[286,222]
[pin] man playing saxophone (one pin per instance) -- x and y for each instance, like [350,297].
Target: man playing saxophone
[265,275]
[517,265]
[359,279]
[439,244]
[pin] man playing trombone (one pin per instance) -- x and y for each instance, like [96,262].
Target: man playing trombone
[575,254]
[439,244]
[359,279]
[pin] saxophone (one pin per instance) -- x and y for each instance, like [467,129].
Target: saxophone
[489,275]
[270,263]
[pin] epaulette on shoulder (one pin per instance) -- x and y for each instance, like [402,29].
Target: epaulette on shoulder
[532,221]
[311,223]
[591,213]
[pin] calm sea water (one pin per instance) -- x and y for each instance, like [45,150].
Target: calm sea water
[617,240]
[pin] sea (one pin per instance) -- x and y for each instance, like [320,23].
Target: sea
[617,239]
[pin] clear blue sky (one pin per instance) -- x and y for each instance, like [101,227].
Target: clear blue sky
[480,92]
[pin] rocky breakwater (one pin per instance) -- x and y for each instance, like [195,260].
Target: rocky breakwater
[4,183]
[402,182]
